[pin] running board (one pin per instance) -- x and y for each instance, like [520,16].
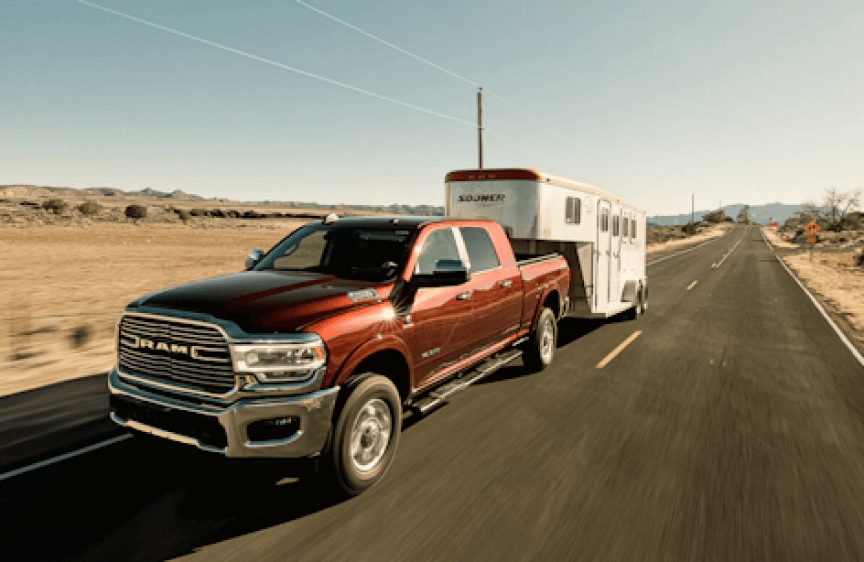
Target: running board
[443,392]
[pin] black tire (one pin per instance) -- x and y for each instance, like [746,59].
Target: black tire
[634,312]
[539,350]
[643,300]
[371,402]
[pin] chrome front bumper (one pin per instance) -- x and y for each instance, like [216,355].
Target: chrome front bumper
[137,408]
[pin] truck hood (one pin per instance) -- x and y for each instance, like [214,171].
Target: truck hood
[268,301]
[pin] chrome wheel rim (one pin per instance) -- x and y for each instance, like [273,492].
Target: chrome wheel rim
[547,340]
[370,435]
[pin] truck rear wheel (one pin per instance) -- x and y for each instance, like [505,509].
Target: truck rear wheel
[365,435]
[539,350]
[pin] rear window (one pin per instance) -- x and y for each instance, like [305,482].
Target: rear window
[481,251]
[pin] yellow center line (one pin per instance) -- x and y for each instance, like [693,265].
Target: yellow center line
[618,349]
[693,284]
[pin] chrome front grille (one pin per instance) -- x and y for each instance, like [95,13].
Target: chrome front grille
[179,353]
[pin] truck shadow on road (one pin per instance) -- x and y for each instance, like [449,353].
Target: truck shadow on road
[145,500]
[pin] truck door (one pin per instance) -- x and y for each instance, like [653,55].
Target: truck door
[439,316]
[496,291]
[602,255]
[615,257]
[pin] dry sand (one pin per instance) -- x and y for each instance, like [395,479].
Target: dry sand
[56,279]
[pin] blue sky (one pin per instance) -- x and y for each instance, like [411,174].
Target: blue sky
[740,101]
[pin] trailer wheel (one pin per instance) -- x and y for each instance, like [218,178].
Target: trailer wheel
[539,350]
[365,435]
[643,298]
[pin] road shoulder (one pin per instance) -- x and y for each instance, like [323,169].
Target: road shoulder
[831,279]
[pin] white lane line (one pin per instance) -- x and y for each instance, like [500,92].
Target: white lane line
[618,349]
[729,253]
[693,284]
[63,457]
[689,249]
[818,306]
[766,240]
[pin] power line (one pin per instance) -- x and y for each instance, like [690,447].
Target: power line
[283,66]
[392,46]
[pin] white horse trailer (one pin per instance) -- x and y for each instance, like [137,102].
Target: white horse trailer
[602,236]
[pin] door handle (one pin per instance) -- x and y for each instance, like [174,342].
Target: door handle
[463,296]
[506,283]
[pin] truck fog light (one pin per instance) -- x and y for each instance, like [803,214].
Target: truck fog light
[273,429]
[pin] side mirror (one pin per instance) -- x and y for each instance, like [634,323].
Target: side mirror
[254,257]
[447,273]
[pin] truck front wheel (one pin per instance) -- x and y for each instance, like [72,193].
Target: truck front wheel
[365,434]
[540,347]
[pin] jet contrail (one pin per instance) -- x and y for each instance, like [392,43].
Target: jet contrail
[280,65]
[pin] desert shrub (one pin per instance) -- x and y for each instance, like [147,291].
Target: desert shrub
[853,221]
[252,215]
[81,335]
[232,213]
[136,212]
[858,258]
[715,217]
[56,206]
[219,213]
[198,212]
[183,214]
[89,208]
[689,229]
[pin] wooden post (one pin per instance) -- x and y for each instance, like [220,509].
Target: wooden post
[480,127]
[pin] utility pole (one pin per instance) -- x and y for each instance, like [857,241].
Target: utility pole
[480,126]
[693,208]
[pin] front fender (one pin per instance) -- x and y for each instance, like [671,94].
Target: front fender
[384,342]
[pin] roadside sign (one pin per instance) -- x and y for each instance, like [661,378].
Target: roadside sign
[811,228]
[772,224]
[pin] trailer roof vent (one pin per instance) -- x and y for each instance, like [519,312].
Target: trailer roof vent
[331,218]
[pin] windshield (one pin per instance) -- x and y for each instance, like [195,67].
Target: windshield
[366,254]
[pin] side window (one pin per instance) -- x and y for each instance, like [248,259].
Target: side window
[633,228]
[481,251]
[615,223]
[604,220]
[573,211]
[626,223]
[440,244]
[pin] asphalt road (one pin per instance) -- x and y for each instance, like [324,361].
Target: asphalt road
[731,428]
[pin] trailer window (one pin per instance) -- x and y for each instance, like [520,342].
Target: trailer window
[633,228]
[615,223]
[481,251]
[573,211]
[439,245]
[624,232]
[604,220]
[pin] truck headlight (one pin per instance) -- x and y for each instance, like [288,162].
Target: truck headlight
[279,362]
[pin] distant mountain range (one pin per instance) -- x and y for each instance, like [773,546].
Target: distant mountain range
[761,214]
[757,213]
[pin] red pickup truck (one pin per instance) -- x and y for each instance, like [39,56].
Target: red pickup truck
[317,349]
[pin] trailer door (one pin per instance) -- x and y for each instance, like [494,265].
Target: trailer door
[601,254]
